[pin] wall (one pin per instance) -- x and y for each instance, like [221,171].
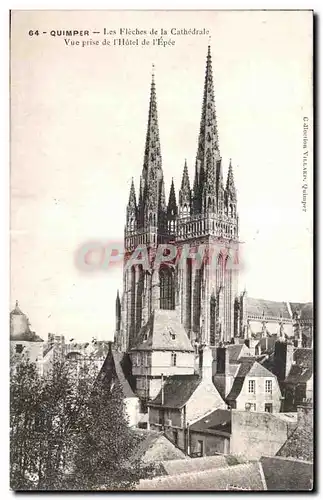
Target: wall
[309,389]
[158,362]
[256,434]
[131,409]
[31,350]
[260,398]
[204,399]
[212,444]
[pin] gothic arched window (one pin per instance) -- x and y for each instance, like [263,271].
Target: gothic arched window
[167,288]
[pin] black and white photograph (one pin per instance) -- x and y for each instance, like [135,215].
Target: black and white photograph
[161,250]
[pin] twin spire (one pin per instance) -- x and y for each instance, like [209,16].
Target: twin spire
[208,186]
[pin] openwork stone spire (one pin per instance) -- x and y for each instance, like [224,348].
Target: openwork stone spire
[172,205]
[185,195]
[132,196]
[230,187]
[152,159]
[208,153]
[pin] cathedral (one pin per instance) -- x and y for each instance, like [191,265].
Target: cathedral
[201,292]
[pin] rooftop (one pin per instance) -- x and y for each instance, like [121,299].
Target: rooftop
[163,331]
[287,474]
[246,476]
[218,420]
[177,391]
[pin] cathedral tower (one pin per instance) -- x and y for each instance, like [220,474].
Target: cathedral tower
[204,220]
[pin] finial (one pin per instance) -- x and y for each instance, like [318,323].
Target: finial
[153,73]
[17,303]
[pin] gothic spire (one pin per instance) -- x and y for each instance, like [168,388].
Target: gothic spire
[132,196]
[152,158]
[172,205]
[185,186]
[184,199]
[230,187]
[208,153]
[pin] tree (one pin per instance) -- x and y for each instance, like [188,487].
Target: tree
[68,430]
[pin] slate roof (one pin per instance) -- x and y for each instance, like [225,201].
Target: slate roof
[303,356]
[305,309]
[271,308]
[157,333]
[112,371]
[177,391]
[302,369]
[236,350]
[247,476]
[175,467]
[218,420]
[155,447]
[286,474]
[298,375]
[299,444]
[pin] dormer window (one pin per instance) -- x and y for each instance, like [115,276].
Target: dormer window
[172,334]
[145,337]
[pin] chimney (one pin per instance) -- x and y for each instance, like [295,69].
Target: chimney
[222,361]
[305,416]
[283,359]
[162,389]
[206,362]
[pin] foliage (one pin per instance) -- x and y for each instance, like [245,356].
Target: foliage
[68,431]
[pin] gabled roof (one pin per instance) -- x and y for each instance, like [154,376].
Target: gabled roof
[247,476]
[236,350]
[271,308]
[112,371]
[286,474]
[218,420]
[155,447]
[163,331]
[177,391]
[175,467]
[250,367]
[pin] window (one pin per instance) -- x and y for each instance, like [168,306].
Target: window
[175,437]
[200,448]
[173,359]
[167,289]
[172,334]
[268,386]
[250,406]
[138,359]
[268,407]
[146,359]
[252,386]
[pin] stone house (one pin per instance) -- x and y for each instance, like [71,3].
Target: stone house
[294,370]
[184,399]
[244,383]
[248,435]
[162,349]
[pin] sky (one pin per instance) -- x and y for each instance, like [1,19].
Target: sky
[78,125]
